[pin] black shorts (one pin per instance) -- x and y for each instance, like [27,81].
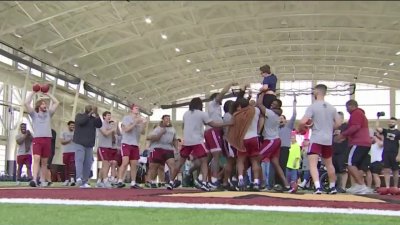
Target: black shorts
[389,160]
[376,167]
[268,99]
[366,163]
[340,162]
[358,157]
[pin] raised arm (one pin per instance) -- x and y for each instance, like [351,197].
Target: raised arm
[260,103]
[221,95]
[290,124]
[54,104]
[28,102]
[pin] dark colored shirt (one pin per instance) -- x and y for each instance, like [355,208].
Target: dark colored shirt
[85,129]
[271,81]
[340,148]
[391,140]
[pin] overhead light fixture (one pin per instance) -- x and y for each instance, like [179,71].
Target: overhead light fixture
[177,50]
[188,61]
[17,35]
[212,85]
[164,36]
[147,20]
[391,64]
[94,75]
[386,73]
[112,83]
[197,70]
[140,98]
[398,53]
[381,81]
[48,51]
[76,65]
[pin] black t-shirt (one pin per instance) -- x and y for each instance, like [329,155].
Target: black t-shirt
[340,148]
[391,140]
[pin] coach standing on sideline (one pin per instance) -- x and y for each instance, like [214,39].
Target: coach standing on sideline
[84,140]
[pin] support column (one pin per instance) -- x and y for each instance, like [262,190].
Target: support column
[76,100]
[392,102]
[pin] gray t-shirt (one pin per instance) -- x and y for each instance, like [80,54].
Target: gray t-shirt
[323,115]
[21,150]
[253,130]
[271,125]
[105,141]
[41,123]
[214,112]
[133,136]
[68,135]
[193,130]
[226,119]
[166,140]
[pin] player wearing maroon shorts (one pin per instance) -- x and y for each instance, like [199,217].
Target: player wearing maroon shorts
[324,120]
[41,144]
[24,152]
[132,127]
[163,141]
[68,154]
[105,153]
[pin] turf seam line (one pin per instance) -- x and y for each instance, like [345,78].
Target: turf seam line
[200,206]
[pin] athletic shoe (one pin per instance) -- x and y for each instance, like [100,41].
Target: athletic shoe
[256,187]
[32,183]
[136,186]
[120,185]
[85,186]
[72,184]
[241,185]
[204,187]
[107,184]
[147,184]
[79,182]
[177,183]
[153,185]
[44,184]
[18,183]
[332,191]
[170,186]
[198,183]
[318,191]
[99,185]
[66,183]
[214,185]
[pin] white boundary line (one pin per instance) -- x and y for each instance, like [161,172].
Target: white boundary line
[176,205]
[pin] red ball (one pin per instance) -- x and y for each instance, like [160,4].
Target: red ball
[383,191]
[45,88]
[393,191]
[36,87]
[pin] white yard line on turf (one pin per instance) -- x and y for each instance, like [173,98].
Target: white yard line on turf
[200,206]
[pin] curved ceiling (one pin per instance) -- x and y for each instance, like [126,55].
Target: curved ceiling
[110,42]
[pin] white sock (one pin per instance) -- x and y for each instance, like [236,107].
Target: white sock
[120,181]
[200,177]
[332,184]
[303,183]
[256,181]
[214,179]
[72,180]
[240,177]
[98,180]
[234,178]
[317,184]
[133,183]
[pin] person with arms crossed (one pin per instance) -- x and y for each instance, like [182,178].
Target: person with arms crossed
[24,152]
